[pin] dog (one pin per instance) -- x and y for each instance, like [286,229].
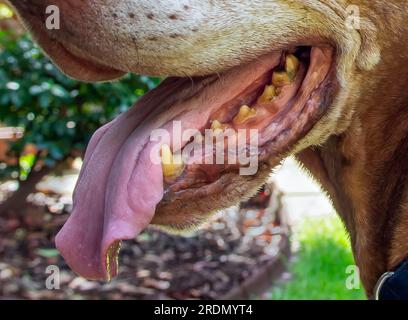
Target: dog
[337,101]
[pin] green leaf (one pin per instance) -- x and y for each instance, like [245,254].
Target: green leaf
[47,253]
[16,99]
[59,91]
[45,100]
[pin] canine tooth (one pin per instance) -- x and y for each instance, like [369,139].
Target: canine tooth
[280,78]
[268,95]
[172,164]
[244,114]
[291,66]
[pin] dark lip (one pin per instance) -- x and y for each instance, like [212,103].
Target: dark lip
[80,67]
[87,61]
[329,88]
[87,65]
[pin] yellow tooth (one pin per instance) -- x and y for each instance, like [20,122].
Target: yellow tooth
[291,66]
[216,125]
[244,114]
[280,78]
[172,164]
[166,154]
[268,95]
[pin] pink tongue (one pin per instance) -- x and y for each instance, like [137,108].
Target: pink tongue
[119,186]
[111,201]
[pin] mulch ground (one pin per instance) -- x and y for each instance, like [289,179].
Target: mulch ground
[207,265]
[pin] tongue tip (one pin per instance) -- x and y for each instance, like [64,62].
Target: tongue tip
[103,269]
[94,256]
[87,264]
[71,243]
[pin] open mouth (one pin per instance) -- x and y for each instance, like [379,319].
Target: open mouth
[279,105]
[186,143]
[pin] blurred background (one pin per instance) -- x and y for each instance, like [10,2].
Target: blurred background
[286,243]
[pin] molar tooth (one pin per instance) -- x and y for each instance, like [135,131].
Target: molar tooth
[172,164]
[244,114]
[268,95]
[291,66]
[280,78]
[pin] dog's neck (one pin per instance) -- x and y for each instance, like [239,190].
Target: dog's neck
[365,169]
[365,173]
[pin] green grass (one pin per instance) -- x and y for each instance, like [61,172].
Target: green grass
[319,270]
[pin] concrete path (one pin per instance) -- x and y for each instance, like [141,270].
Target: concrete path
[302,196]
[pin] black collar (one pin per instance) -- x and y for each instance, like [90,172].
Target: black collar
[393,285]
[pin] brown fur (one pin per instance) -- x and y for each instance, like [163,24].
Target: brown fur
[365,168]
[358,151]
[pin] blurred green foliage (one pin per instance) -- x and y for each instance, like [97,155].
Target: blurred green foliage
[320,269]
[58,114]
